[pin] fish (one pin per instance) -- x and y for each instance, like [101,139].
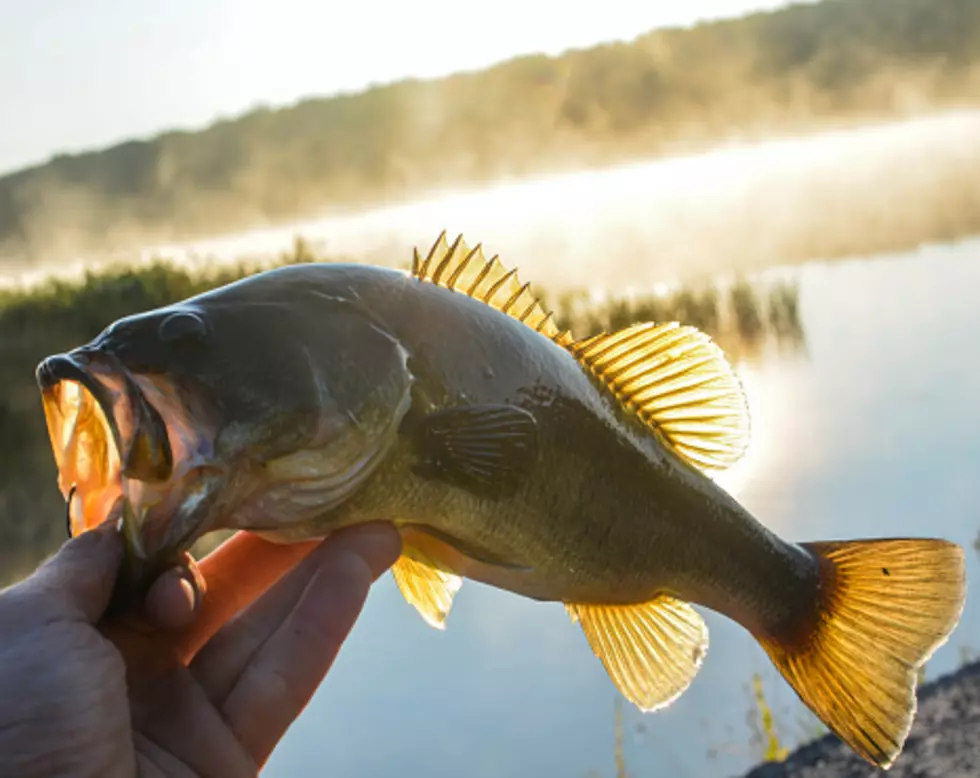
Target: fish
[448,401]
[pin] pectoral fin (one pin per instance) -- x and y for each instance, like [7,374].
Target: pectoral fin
[425,585]
[652,650]
[482,448]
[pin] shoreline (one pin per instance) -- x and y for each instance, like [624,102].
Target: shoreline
[944,741]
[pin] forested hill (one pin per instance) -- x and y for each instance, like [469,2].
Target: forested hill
[670,90]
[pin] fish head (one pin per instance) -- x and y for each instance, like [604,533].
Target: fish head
[163,416]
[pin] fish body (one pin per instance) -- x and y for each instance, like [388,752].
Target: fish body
[600,511]
[313,397]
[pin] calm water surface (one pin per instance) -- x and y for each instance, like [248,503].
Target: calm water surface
[873,430]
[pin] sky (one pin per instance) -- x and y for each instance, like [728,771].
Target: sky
[81,75]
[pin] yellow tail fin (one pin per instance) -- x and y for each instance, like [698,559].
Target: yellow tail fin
[885,606]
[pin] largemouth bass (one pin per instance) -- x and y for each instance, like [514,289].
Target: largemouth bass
[313,397]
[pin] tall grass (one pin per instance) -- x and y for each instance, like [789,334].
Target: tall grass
[765,734]
[743,317]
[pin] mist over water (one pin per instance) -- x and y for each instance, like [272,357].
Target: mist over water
[881,187]
[737,208]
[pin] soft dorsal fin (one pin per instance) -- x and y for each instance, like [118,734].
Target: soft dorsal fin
[677,381]
[462,269]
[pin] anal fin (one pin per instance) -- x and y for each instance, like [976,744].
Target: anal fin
[425,585]
[651,650]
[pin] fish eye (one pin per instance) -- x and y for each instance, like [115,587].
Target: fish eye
[183,325]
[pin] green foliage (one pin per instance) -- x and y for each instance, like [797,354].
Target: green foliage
[743,318]
[772,750]
[839,60]
[618,751]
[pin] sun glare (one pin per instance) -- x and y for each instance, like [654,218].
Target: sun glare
[763,439]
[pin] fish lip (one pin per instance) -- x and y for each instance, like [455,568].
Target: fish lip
[148,424]
[65,367]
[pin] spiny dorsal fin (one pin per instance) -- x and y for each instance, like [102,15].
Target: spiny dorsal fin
[679,382]
[462,269]
[652,650]
[425,585]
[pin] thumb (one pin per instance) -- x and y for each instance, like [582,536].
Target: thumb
[78,580]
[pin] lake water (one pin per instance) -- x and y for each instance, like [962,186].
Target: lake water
[872,430]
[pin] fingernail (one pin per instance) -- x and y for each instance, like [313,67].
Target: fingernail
[188,584]
[375,528]
[94,536]
[171,608]
[194,578]
[378,534]
[107,527]
[380,539]
[188,588]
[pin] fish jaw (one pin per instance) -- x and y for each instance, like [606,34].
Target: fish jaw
[127,448]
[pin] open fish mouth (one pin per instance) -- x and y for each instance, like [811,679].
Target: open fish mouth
[102,431]
[127,446]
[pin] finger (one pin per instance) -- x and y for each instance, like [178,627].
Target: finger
[173,598]
[169,606]
[77,581]
[225,581]
[235,574]
[223,660]
[177,728]
[278,683]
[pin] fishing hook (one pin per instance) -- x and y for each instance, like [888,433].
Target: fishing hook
[71,494]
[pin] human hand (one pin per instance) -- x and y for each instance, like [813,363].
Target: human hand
[207,686]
